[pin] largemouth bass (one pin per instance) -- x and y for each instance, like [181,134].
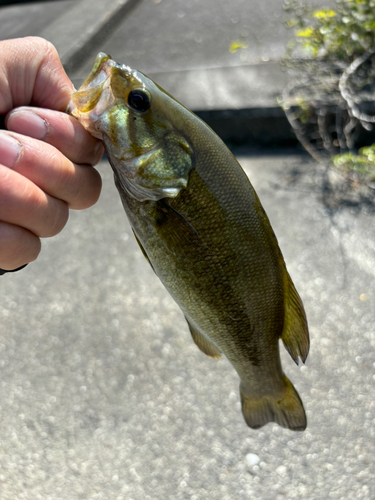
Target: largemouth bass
[202,228]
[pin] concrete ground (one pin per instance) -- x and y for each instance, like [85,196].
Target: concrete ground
[103,394]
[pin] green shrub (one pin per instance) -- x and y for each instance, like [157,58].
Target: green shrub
[332,58]
[340,34]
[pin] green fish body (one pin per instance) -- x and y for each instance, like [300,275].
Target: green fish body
[201,226]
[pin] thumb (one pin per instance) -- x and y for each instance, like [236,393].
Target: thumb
[31,73]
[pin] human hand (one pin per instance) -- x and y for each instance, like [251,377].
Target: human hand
[46,156]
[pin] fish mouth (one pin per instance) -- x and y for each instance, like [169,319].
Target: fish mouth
[95,96]
[101,72]
[89,93]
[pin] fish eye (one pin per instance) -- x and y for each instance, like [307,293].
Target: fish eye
[139,100]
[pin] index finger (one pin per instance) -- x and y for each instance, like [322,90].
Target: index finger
[58,129]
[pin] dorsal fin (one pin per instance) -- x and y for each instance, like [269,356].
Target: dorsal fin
[295,334]
[203,343]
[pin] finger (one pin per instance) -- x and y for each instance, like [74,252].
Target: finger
[58,129]
[31,73]
[24,204]
[78,185]
[18,246]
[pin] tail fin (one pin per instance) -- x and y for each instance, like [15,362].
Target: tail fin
[285,408]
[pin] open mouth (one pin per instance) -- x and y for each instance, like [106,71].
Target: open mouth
[100,71]
[90,92]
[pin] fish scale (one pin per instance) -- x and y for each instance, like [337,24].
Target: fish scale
[202,228]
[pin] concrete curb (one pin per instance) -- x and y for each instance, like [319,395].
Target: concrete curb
[84,27]
[254,127]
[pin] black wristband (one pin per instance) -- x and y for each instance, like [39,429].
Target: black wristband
[3,271]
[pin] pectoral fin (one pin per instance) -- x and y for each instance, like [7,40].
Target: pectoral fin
[175,230]
[295,334]
[143,251]
[203,343]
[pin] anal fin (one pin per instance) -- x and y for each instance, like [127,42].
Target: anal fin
[295,334]
[203,343]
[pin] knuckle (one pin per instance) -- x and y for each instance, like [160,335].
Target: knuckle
[46,47]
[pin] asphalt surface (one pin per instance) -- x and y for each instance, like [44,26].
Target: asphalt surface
[103,394]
